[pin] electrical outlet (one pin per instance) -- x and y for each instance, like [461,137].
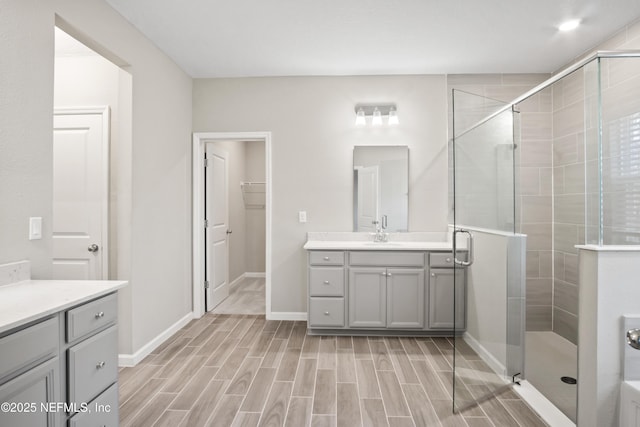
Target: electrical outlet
[302,216]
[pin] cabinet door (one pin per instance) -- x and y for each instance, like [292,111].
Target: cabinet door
[405,298]
[29,395]
[441,298]
[367,297]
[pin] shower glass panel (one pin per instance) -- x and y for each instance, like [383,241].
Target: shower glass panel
[618,164]
[488,313]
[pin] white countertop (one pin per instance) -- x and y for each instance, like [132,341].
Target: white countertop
[347,245]
[29,300]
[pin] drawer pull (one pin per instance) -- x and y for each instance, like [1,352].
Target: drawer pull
[433,274]
[326,313]
[100,315]
[100,365]
[448,260]
[326,282]
[326,258]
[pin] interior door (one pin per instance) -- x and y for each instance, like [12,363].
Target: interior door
[217,227]
[80,194]
[368,198]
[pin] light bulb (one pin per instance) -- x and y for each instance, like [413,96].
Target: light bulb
[393,116]
[360,120]
[377,117]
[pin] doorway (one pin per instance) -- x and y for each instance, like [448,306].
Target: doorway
[232,223]
[92,138]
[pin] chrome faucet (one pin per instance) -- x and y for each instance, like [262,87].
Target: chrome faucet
[380,235]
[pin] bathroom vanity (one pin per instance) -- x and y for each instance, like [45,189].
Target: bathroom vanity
[398,287]
[58,353]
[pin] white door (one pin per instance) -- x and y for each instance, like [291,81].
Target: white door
[217,230]
[368,189]
[80,194]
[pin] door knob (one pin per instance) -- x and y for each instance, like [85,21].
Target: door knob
[93,248]
[229,231]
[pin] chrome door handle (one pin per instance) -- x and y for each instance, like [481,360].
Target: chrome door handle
[93,248]
[469,248]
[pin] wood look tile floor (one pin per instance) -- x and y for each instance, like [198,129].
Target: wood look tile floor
[242,370]
[246,297]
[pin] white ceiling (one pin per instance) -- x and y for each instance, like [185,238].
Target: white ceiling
[233,38]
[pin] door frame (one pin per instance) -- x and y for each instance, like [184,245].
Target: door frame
[105,111]
[199,141]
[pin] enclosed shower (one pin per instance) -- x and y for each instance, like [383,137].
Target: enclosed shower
[536,179]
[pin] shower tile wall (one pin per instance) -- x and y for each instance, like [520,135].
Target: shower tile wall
[568,189]
[536,206]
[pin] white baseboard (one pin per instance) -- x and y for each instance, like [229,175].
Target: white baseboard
[485,355]
[135,358]
[255,275]
[284,315]
[235,283]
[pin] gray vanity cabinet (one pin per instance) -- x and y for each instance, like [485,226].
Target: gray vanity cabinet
[68,360]
[378,290]
[28,394]
[405,298]
[367,297]
[446,286]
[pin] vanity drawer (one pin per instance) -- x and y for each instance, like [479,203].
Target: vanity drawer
[92,316]
[28,347]
[326,281]
[93,365]
[445,259]
[387,259]
[104,411]
[326,258]
[326,312]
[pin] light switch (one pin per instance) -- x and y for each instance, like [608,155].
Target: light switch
[302,216]
[35,228]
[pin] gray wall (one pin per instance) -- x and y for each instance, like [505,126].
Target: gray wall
[312,124]
[161,123]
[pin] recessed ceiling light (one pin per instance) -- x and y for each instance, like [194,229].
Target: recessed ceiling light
[569,25]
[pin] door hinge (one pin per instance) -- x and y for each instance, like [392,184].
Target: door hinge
[206,284]
[206,223]
[206,162]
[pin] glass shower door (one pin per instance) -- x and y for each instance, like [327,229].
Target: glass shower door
[489,255]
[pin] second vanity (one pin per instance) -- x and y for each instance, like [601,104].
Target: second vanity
[399,287]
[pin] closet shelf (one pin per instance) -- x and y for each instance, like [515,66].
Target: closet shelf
[253,194]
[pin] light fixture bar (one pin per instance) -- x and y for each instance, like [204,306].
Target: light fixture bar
[369,108]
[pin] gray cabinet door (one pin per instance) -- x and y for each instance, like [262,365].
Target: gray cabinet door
[367,297]
[405,298]
[441,298]
[27,397]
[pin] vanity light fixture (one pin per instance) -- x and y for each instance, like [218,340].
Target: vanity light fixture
[393,116]
[378,114]
[360,120]
[569,25]
[376,120]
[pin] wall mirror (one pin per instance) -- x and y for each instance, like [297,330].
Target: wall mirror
[380,188]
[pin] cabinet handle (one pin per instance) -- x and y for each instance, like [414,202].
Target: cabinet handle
[384,274]
[433,274]
[326,313]
[448,260]
[99,315]
[326,282]
[326,258]
[388,274]
[100,365]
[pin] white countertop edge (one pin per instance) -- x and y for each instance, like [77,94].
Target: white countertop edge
[16,311]
[375,246]
[609,248]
